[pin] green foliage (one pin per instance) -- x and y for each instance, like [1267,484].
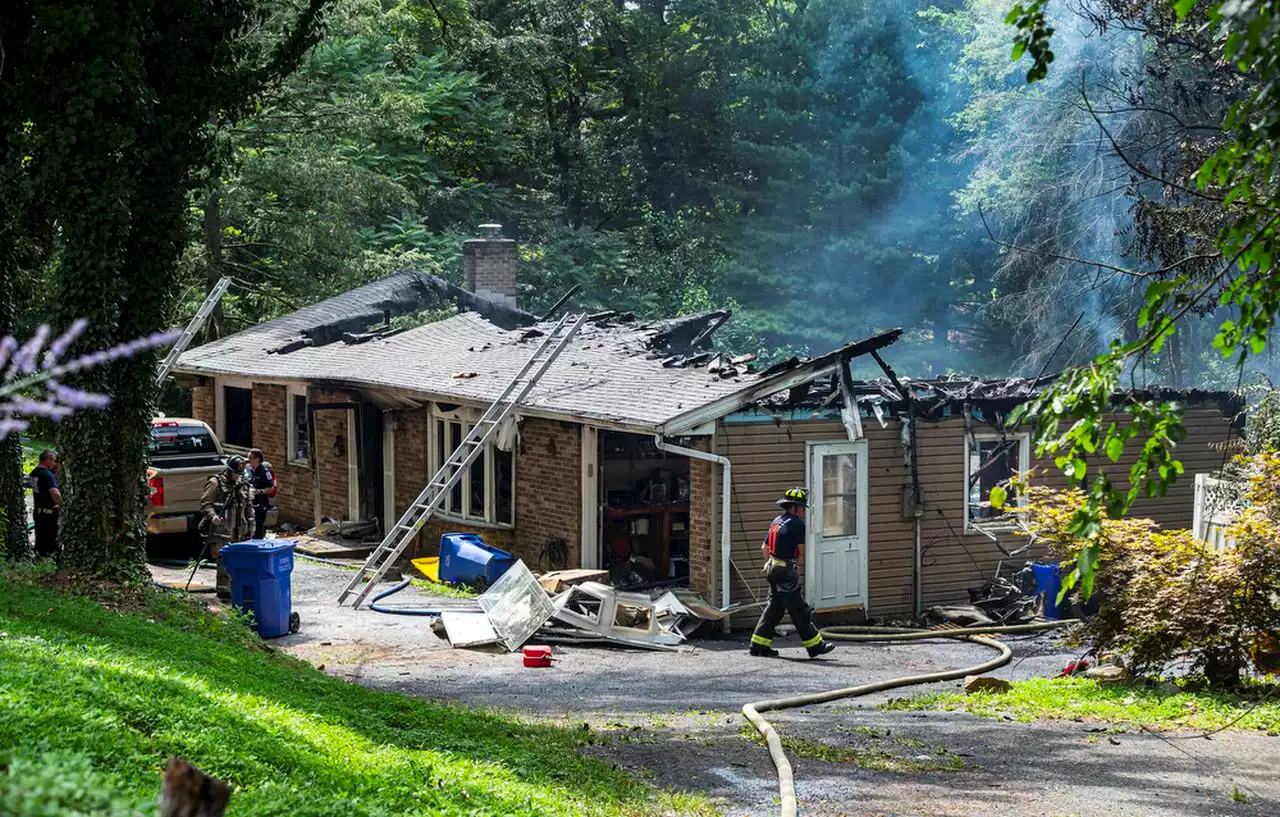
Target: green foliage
[1167,597]
[65,784]
[1034,33]
[1124,706]
[126,691]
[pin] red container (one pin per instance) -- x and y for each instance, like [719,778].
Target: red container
[537,656]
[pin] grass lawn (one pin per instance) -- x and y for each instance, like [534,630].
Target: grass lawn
[1128,706]
[94,700]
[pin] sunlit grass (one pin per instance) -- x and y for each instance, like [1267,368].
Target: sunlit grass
[1130,705]
[124,692]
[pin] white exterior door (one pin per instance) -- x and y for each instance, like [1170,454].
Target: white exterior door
[835,572]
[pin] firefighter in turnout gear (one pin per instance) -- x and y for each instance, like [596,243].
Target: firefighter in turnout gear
[783,548]
[228,515]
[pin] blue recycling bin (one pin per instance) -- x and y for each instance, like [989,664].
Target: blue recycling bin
[260,570]
[466,559]
[1048,584]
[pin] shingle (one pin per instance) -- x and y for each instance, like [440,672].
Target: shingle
[606,373]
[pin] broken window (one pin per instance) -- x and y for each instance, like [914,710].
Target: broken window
[299,428]
[486,492]
[238,417]
[992,460]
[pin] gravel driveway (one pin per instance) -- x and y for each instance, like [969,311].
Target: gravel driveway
[675,717]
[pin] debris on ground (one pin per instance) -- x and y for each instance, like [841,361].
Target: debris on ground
[1107,674]
[572,606]
[985,683]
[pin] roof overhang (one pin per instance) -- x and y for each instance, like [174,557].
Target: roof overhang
[803,372]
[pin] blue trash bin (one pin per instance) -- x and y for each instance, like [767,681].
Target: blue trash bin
[1048,584]
[466,559]
[260,570]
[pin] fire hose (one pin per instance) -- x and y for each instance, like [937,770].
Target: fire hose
[786,777]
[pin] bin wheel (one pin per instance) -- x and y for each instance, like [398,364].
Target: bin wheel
[295,622]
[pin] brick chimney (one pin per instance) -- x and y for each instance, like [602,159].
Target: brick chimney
[489,263]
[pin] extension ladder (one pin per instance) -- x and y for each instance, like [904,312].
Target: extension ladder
[421,509]
[184,340]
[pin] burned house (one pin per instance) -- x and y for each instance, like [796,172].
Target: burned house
[641,450]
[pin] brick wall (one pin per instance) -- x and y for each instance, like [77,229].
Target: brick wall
[270,433]
[548,489]
[702,484]
[490,268]
[202,405]
[331,426]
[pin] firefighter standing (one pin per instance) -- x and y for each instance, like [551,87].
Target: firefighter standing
[783,548]
[263,480]
[228,515]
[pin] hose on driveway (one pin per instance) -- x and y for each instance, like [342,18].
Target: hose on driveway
[398,611]
[786,777]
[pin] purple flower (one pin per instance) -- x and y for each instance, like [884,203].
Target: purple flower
[26,392]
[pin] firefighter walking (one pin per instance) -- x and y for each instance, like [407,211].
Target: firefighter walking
[228,515]
[783,548]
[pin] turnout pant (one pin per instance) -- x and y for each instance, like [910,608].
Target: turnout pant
[224,578]
[785,598]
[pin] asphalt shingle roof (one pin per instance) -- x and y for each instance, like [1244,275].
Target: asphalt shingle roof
[608,372]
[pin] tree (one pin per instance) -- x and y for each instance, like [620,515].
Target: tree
[1239,179]
[116,100]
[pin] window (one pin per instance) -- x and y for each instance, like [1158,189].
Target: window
[171,439]
[299,427]
[992,460]
[486,493]
[238,413]
[840,495]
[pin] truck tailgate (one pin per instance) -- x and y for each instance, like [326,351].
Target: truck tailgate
[183,487]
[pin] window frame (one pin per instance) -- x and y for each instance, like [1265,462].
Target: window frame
[466,418]
[292,393]
[1022,466]
[220,411]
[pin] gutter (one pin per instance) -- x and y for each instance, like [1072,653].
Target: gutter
[726,488]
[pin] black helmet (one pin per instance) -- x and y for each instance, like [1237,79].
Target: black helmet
[235,463]
[795,496]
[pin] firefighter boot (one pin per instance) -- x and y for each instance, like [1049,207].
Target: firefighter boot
[821,648]
[762,647]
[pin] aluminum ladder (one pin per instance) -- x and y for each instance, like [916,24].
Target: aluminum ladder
[451,472]
[184,340]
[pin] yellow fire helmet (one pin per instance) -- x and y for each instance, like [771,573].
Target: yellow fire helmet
[795,496]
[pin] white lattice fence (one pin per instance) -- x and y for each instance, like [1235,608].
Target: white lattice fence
[1217,504]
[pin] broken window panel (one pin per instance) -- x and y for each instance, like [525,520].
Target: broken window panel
[475,502]
[992,462]
[300,440]
[840,495]
[504,488]
[455,495]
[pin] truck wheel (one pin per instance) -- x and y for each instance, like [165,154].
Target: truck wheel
[295,622]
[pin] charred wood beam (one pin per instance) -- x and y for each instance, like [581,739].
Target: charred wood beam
[573,290]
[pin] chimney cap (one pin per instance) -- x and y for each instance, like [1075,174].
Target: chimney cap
[491,230]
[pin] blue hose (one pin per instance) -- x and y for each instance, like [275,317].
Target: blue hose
[403,611]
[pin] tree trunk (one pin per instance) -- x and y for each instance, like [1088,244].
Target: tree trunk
[14,542]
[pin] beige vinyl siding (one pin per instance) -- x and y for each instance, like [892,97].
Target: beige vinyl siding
[768,457]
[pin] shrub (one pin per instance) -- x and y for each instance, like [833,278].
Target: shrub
[1167,597]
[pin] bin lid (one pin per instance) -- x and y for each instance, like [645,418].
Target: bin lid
[263,546]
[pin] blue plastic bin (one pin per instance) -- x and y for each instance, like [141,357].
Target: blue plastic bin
[260,570]
[1048,584]
[466,559]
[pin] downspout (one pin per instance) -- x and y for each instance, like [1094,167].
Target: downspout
[726,486]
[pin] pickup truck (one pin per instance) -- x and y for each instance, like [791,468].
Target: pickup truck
[182,454]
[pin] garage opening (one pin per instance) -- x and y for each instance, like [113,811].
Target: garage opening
[645,501]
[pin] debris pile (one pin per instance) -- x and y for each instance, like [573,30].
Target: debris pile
[573,606]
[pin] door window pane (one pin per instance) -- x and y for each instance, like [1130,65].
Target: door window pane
[475,500]
[504,488]
[840,495]
[455,440]
[238,407]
